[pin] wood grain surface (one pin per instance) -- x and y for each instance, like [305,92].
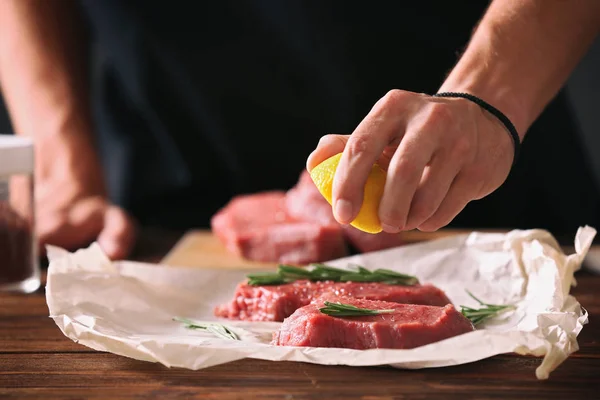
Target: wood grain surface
[37,361]
[201,249]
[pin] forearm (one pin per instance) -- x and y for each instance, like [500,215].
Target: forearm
[42,77]
[41,70]
[523,52]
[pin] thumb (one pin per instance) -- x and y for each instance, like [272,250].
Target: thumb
[118,234]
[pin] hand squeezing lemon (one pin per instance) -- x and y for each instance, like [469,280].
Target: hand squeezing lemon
[367,219]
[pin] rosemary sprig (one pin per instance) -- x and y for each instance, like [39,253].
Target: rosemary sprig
[267,278]
[347,310]
[214,328]
[478,315]
[323,272]
[291,270]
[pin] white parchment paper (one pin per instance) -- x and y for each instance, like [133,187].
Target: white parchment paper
[127,308]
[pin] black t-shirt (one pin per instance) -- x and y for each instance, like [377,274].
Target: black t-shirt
[196,102]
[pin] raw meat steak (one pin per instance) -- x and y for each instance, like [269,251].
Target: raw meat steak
[409,326]
[304,202]
[365,242]
[292,243]
[274,303]
[247,212]
[258,228]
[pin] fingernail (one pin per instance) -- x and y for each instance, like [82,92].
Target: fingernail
[389,228]
[309,161]
[343,211]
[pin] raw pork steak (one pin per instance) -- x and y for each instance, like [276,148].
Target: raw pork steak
[409,326]
[257,227]
[274,303]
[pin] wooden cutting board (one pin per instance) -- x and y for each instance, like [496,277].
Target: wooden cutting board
[201,249]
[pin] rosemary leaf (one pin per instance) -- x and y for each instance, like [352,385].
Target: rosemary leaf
[326,267]
[213,327]
[479,315]
[360,269]
[358,277]
[347,310]
[267,278]
[389,272]
[323,272]
[289,270]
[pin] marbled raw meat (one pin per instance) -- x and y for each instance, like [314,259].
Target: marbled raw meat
[257,227]
[276,302]
[409,326]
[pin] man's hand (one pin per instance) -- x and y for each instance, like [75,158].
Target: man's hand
[442,153]
[71,209]
[42,74]
[85,220]
[71,206]
[439,154]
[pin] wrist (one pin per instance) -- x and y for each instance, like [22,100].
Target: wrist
[69,157]
[493,111]
[490,80]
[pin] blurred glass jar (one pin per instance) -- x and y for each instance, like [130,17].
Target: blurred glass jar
[19,264]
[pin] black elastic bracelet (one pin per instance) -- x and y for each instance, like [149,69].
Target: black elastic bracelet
[494,111]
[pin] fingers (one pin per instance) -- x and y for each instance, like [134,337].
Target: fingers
[74,227]
[439,155]
[88,220]
[363,148]
[328,146]
[118,234]
[459,195]
[47,227]
[433,188]
[403,177]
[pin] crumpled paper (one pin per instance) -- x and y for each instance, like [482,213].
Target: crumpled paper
[127,308]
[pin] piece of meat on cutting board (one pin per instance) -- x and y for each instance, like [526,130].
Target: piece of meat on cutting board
[407,327]
[295,227]
[257,227]
[304,202]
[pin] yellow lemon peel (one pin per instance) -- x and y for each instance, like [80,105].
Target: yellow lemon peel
[367,219]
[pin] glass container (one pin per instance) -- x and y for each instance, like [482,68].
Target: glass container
[19,264]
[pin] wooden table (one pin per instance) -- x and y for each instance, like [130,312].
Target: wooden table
[37,361]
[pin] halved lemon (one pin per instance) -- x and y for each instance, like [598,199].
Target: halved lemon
[367,219]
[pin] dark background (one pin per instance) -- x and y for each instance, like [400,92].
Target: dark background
[581,91]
